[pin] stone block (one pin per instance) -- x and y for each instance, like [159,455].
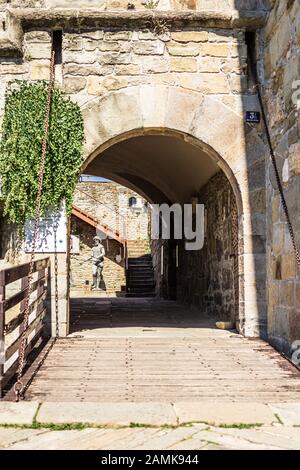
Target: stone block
[294,325]
[73,84]
[84,57]
[188,103]
[113,58]
[289,413]
[188,64]
[273,294]
[205,64]
[190,36]
[237,83]
[39,70]
[121,414]
[114,83]
[215,50]
[86,70]
[224,413]
[206,83]
[276,206]
[287,294]
[152,64]
[128,69]
[232,66]
[109,46]
[154,105]
[183,49]
[297,295]
[118,35]
[294,159]
[149,47]
[94,85]
[18,413]
[288,266]
[277,239]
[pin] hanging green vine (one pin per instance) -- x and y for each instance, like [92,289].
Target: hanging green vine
[20,150]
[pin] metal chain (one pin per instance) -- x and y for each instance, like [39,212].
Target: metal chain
[273,159]
[19,387]
[56,279]
[279,184]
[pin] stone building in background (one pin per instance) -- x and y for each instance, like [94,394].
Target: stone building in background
[121,218]
[164,91]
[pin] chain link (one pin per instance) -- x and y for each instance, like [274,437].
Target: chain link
[257,86]
[19,387]
[56,279]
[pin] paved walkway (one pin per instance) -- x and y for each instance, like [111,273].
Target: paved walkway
[196,437]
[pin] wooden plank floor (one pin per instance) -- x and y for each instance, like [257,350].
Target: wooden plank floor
[148,350]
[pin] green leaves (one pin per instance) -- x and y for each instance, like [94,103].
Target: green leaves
[20,150]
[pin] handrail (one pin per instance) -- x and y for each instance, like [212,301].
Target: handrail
[95,222]
[11,325]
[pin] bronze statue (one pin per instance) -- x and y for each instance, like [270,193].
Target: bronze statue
[98,253]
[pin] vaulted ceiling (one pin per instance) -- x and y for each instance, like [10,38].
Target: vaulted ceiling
[161,168]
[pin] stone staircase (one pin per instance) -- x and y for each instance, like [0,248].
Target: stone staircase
[140,275]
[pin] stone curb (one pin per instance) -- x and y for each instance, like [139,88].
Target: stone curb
[288,413]
[224,413]
[118,414]
[18,413]
[151,414]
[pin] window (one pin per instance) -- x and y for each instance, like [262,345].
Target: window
[132,201]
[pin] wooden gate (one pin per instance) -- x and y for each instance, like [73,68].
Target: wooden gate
[13,289]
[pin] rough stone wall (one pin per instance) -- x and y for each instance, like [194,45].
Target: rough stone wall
[9,243]
[200,60]
[109,202]
[99,60]
[207,278]
[161,280]
[81,267]
[280,43]
[96,62]
[105,201]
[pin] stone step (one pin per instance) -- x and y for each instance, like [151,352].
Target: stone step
[140,294]
[132,265]
[140,279]
[146,285]
[138,271]
[140,289]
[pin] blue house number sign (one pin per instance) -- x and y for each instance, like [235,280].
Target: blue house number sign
[253,116]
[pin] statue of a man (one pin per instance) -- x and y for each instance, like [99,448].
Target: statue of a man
[98,253]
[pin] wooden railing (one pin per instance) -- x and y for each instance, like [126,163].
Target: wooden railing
[12,313]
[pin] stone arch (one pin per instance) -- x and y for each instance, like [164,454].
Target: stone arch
[206,122]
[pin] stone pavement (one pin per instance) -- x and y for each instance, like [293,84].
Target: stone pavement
[123,426]
[195,437]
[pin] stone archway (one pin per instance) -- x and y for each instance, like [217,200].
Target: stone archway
[207,123]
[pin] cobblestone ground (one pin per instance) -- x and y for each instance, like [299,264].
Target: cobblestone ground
[196,437]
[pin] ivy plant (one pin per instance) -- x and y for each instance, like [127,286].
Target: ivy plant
[20,150]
